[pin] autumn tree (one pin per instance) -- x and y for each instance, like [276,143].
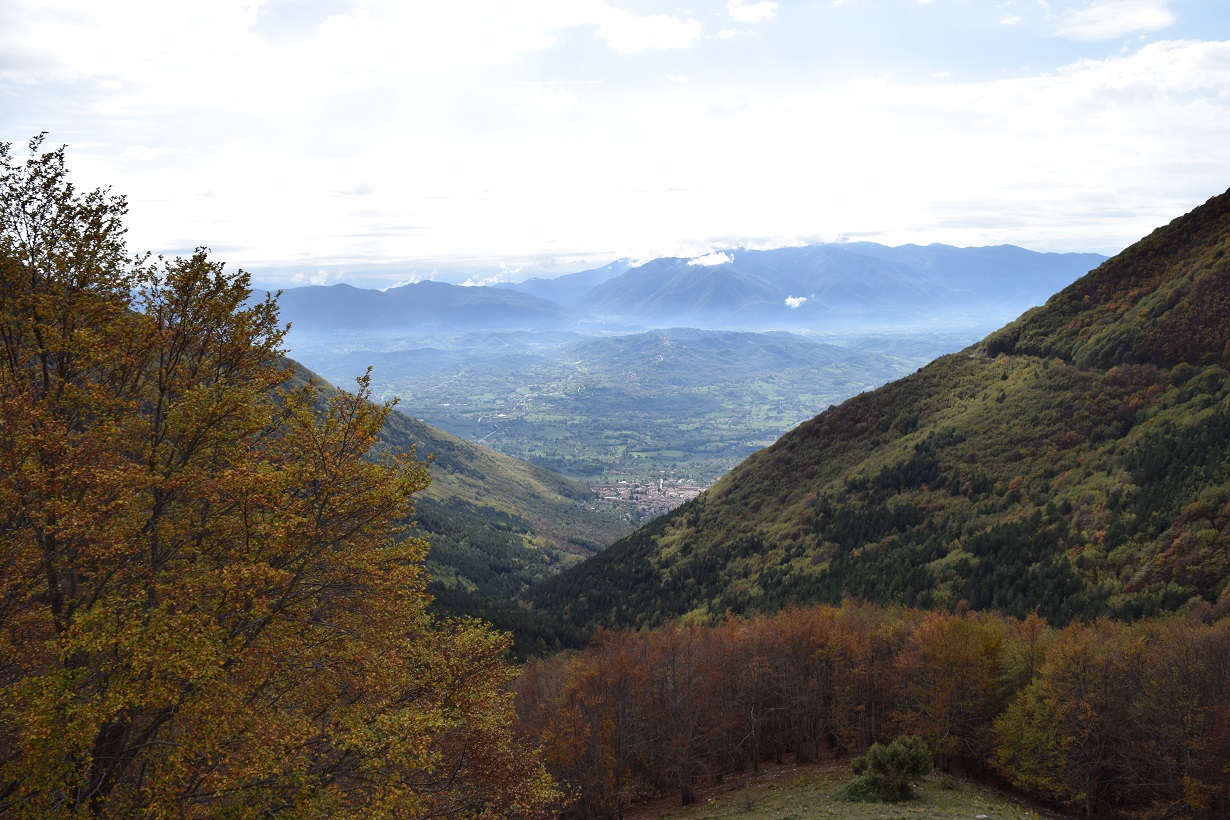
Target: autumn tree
[590,714]
[1064,734]
[948,671]
[207,604]
[1128,716]
[677,701]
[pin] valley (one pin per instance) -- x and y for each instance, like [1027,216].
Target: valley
[680,407]
[671,371]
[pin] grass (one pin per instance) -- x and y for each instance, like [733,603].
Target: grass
[803,792]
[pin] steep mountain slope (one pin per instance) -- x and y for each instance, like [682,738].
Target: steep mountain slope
[1076,461]
[496,525]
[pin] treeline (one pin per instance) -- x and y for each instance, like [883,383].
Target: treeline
[1101,717]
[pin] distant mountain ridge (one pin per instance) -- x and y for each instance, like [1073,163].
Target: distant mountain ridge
[841,284]
[1075,462]
[816,287]
[570,288]
[424,306]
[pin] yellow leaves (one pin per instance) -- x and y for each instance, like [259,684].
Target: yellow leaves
[205,608]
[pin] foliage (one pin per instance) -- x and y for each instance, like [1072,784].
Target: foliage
[208,606]
[885,772]
[1127,717]
[1124,714]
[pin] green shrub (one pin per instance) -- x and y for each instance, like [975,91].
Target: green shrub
[884,773]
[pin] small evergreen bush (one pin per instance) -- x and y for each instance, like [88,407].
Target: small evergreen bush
[884,773]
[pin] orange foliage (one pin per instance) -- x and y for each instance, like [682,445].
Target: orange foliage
[1126,716]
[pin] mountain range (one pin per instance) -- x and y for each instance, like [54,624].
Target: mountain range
[1075,463]
[422,306]
[817,287]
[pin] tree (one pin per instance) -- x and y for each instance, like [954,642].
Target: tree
[948,672]
[208,604]
[1064,733]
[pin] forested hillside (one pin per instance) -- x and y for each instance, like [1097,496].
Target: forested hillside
[1076,463]
[495,525]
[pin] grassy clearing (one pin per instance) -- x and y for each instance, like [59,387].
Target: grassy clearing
[804,792]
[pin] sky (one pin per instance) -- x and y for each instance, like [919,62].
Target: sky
[380,142]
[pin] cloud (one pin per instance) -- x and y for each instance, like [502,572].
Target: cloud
[506,273]
[490,130]
[629,34]
[143,154]
[1011,21]
[1171,70]
[1111,19]
[319,277]
[711,259]
[358,189]
[546,100]
[794,302]
[751,13]
[409,280]
[479,280]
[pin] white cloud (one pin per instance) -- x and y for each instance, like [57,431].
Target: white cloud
[143,154]
[751,13]
[506,273]
[711,259]
[546,101]
[410,280]
[358,189]
[794,302]
[480,141]
[627,33]
[141,47]
[318,277]
[1110,19]
[1046,161]
[1011,21]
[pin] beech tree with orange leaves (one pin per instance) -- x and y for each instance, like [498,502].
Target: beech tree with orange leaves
[949,671]
[207,602]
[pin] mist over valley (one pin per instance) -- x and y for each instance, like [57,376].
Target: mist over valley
[639,378]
